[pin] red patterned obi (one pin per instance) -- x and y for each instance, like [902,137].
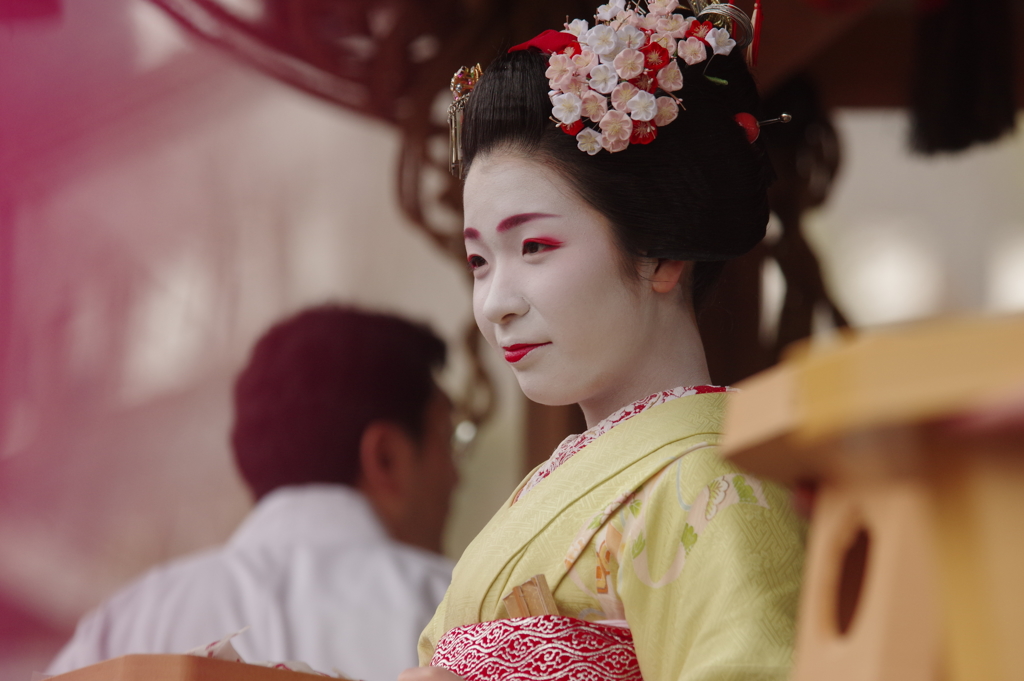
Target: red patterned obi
[545,648]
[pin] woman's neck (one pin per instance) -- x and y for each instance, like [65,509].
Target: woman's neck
[673,357]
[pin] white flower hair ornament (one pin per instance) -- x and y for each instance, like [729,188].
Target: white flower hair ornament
[615,83]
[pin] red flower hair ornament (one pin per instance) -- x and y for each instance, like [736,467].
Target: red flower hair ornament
[551,42]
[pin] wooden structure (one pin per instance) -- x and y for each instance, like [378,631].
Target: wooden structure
[916,547]
[181,668]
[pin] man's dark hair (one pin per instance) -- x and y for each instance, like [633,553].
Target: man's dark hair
[313,384]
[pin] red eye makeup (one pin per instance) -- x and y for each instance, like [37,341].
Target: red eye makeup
[543,241]
[539,245]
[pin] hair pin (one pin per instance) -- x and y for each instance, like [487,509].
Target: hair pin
[783,118]
[463,82]
[752,126]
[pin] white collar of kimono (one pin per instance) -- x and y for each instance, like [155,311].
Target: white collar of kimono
[310,514]
[574,443]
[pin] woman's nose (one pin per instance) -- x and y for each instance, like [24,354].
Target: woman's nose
[504,301]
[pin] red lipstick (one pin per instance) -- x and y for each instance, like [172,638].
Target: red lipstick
[514,353]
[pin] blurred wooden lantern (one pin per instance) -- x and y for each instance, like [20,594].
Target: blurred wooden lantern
[915,550]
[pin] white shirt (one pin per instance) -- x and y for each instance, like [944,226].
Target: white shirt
[311,570]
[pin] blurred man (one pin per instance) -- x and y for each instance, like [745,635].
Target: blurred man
[344,439]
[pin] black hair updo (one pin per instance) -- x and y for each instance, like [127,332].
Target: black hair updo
[697,192]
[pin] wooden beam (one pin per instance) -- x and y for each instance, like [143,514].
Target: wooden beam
[795,33]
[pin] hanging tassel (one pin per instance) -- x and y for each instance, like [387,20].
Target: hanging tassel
[960,97]
[755,43]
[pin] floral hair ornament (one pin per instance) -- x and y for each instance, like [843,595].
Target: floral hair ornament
[463,82]
[615,83]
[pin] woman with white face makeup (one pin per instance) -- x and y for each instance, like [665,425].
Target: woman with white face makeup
[553,294]
[590,256]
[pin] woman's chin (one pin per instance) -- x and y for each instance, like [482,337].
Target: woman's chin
[546,390]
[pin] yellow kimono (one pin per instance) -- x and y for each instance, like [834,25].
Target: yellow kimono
[648,524]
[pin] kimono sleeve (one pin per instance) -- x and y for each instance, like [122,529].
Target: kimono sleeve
[710,574]
[431,634]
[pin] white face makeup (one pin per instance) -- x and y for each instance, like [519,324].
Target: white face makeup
[550,292]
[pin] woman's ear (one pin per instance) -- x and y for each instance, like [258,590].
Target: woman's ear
[667,274]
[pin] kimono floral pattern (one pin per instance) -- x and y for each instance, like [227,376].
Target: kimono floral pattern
[622,532]
[646,526]
[621,528]
[695,527]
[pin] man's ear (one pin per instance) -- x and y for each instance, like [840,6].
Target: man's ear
[388,458]
[385,451]
[667,274]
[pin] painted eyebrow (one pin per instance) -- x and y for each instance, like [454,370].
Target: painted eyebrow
[511,222]
[514,221]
